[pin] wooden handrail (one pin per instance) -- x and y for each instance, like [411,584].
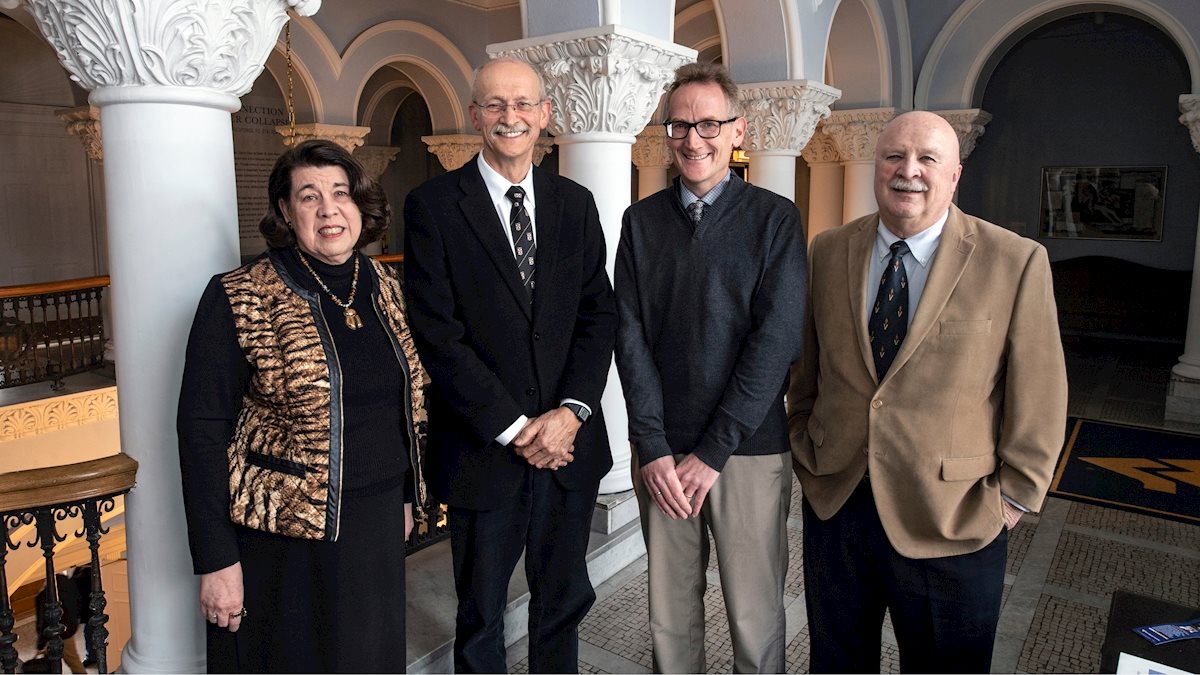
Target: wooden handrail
[388,258]
[36,488]
[53,287]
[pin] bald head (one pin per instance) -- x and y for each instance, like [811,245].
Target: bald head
[916,171]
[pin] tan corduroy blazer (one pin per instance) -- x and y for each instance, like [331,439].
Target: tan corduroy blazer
[974,404]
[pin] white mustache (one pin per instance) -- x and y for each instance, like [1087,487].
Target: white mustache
[502,128]
[908,185]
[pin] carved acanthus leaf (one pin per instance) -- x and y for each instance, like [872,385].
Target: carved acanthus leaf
[855,132]
[968,124]
[348,137]
[602,83]
[453,150]
[821,149]
[783,115]
[219,45]
[375,158]
[84,122]
[651,149]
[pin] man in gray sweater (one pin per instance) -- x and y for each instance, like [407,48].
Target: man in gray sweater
[710,283]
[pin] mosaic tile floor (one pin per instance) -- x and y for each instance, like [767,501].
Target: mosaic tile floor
[1063,563]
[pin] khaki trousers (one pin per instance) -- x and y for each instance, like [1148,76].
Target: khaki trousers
[746,510]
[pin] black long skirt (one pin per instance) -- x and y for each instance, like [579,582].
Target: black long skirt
[322,607]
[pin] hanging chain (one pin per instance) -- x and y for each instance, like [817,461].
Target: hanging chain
[291,94]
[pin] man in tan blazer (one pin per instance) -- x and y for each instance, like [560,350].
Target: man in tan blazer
[926,414]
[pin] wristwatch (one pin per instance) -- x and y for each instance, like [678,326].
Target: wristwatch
[581,413]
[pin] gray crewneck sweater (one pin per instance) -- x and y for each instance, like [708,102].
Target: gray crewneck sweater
[711,318]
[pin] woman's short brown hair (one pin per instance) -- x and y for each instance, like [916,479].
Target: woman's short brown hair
[367,195]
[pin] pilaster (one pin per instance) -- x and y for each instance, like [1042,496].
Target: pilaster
[349,137]
[84,123]
[968,124]
[604,85]
[1183,394]
[375,159]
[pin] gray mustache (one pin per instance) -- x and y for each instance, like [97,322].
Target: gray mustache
[908,185]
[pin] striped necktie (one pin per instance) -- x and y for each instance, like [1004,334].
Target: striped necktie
[521,228]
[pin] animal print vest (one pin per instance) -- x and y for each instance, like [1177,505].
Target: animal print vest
[284,460]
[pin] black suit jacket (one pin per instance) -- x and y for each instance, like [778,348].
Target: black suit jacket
[491,356]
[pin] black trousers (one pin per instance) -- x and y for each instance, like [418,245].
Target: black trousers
[552,526]
[944,610]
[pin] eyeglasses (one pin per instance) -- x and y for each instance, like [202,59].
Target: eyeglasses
[704,128]
[498,108]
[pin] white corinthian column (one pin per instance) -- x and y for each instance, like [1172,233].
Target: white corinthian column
[780,118]
[166,75]
[604,84]
[854,133]
[1183,396]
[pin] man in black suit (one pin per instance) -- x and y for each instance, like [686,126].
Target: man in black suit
[514,319]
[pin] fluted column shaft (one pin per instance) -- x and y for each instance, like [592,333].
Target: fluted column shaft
[604,84]
[165,79]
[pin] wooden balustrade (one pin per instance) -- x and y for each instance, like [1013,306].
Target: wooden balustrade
[49,331]
[43,498]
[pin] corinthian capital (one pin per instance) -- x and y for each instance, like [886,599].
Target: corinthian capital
[783,115]
[651,149]
[821,149]
[348,137]
[453,150]
[1189,105]
[968,124]
[218,45]
[854,132]
[84,122]
[375,158]
[606,80]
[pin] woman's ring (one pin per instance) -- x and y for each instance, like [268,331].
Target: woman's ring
[658,494]
[239,614]
[212,617]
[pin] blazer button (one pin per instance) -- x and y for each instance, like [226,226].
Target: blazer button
[877,404]
[537,336]
[530,391]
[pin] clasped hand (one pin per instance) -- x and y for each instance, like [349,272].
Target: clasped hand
[679,489]
[548,440]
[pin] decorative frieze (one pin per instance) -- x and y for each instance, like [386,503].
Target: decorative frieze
[968,124]
[651,150]
[375,158]
[783,115]
[854,132]
[348,137]
[820,148]
[1189,105]
[220,46]
[60,412]
[606,80]
[84,122]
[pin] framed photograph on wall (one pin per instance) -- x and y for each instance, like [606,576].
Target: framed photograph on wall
[1103,202]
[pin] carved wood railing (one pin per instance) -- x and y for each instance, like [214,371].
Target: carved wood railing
[43,498]
[49,331]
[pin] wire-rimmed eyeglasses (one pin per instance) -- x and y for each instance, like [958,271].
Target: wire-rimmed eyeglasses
[498,107]
[678,130]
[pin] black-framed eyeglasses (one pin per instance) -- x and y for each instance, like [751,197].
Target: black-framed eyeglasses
[498,107]
[704,128]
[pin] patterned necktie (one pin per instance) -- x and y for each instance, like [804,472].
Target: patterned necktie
[696,211]
[521,228]
[889,316]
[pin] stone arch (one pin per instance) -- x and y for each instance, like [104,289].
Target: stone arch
[980,33]
[439,71]
[306,94]
[699,27]
[875,71]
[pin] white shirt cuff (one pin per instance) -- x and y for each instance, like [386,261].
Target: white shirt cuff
[511,432]
[577,402]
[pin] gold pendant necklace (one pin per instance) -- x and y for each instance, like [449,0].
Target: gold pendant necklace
[353,321]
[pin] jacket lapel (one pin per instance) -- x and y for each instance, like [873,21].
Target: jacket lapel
[547,216]
[480,214]
[953,253]
[858,263]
